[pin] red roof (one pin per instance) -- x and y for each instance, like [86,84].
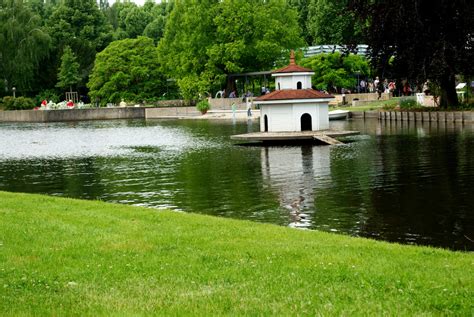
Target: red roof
[294,94]
[292,68]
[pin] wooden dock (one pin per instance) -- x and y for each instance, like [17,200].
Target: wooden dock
[328,137]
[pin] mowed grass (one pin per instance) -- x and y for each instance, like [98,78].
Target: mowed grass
[374,105]
[70,257]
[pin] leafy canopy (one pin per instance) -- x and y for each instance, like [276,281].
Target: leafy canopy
[127,69]
[425,39]
[335,71]
[208,39]
[23,44]
[331,22]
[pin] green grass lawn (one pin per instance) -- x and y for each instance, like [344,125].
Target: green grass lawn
[71,257]
[375,105]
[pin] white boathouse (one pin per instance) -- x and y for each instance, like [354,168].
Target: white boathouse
[294,105]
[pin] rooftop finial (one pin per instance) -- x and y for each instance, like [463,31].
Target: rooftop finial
[292,57]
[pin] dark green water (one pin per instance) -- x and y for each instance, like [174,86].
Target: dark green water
[403,183]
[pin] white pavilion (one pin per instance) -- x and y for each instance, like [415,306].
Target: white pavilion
[294,105]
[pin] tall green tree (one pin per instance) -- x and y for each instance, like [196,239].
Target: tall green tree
[301,6]
[127,69]
[69,71]
[83,27]
[204,41]
[183,48]
[331,22]
[136,21]
[335,71]
[23,44]
[424,39]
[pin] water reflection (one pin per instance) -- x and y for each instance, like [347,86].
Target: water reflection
[294,173]
[398,181]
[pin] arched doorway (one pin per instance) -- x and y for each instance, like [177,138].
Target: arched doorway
[265,123]
[299,85]
[306,124]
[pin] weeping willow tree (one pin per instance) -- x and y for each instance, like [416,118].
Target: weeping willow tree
[23,43]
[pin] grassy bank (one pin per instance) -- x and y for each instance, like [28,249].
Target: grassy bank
[374,105]
[64,256]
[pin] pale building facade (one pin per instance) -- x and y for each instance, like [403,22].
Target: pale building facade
[294,105]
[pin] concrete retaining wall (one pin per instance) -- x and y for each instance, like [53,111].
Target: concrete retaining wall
[71,114]
[362,98]
[226,103]
[421,116]
[171,112]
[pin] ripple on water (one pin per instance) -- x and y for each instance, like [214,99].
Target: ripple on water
[60,141]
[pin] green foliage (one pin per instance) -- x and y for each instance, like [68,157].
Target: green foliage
[428,40]
[206,40]
[301,6]
[409,104]
[49,95]
[81,26]
[335,71]
[155,29]
[136,21]
[69,71]
[23,44]
[330,22]
[203,106]
[19,103]
[127,69]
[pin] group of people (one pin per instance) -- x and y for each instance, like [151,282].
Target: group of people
[385,86]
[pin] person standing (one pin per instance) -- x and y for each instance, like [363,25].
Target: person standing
[363,85]
[380,89]
[376,83]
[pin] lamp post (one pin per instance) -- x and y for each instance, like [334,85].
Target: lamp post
[14,91]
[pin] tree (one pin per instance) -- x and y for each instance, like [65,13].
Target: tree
[136,21]
[127,69]
[69,71]
[204,41]
[156,28]
[301,6]
[23,44]
[183,48]
[425,39]
[83,27]
[331,22]
[335,71]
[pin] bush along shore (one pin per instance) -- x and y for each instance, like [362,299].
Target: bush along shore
[69,257]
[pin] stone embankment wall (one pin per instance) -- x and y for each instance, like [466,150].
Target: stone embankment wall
[420,116]
[165,109]
[71,114]
[171,112]
[226,103]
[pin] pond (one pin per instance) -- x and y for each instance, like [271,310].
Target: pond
[396,182]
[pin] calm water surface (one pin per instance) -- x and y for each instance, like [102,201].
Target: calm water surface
[396,182]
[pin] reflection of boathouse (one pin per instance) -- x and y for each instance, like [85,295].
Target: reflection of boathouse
[294,173]
[294,105]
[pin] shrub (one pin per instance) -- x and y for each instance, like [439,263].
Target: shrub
[409,104]
[49,95]
[19,103]
[203,106]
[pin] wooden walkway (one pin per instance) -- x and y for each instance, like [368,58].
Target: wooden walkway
[325,136]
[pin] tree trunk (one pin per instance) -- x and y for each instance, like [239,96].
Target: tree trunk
[449,98]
